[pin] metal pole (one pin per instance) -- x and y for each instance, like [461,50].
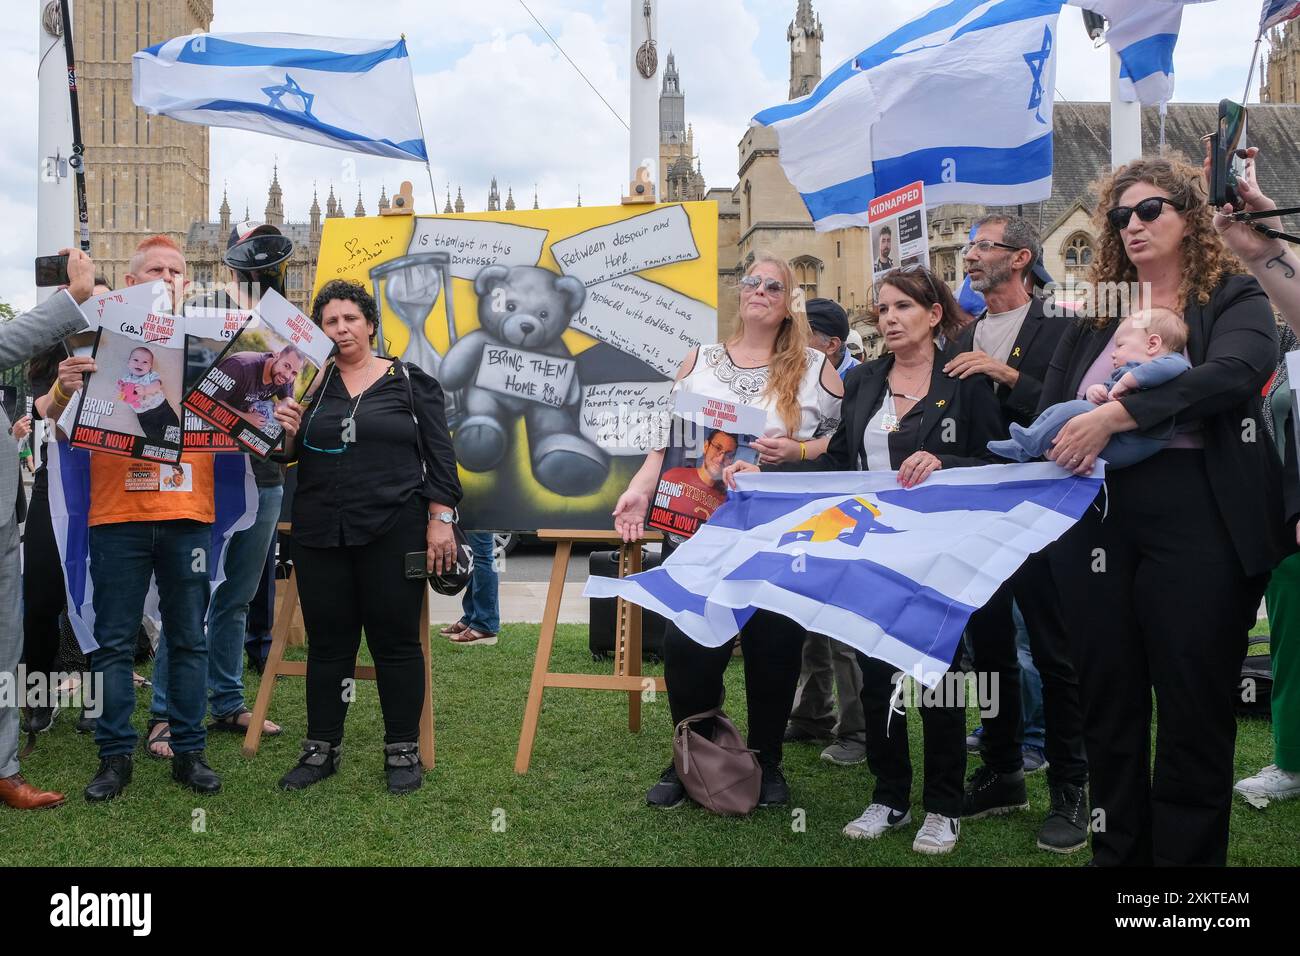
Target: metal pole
[1125,121]
[643,131]
[1251,75]
[77,160]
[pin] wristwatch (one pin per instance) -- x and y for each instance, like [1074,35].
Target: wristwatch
[445,517]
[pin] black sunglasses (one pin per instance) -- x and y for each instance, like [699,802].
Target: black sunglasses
[1148,210]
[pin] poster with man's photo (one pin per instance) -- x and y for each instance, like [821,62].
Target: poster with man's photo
[708,434]
[130,404]
[899,237]
[209,328]
[272,359]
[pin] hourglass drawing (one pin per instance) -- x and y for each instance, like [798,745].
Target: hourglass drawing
[411,285]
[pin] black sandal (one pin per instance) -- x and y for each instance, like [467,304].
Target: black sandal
[230,724]
[163,738]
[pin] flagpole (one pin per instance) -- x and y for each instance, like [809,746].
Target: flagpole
[1251,75]
[425,139]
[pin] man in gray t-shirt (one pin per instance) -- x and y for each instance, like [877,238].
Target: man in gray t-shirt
[259,377]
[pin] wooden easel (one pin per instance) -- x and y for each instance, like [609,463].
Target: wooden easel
[627,640]
[277,666]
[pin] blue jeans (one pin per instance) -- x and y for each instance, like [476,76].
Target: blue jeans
[245,560]
[482,609]
[1031,686]
[1032,443]
[123,557]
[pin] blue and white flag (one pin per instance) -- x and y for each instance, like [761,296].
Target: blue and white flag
[357,95]
[894,573]
[1143,33]
[960,97]
[235,494]
[1277,11]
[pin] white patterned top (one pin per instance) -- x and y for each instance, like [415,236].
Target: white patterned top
[717,376]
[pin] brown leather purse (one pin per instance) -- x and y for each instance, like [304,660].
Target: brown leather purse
[722,774]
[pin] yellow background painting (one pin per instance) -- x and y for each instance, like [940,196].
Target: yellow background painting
[351,248]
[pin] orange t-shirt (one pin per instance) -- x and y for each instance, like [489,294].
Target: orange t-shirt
[126,489]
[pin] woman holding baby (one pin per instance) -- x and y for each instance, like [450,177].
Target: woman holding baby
[1161,579]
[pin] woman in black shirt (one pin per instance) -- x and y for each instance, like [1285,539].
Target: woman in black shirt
[376,481]
[902,413]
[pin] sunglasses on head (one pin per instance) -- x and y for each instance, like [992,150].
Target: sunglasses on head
[774,286]
[1148,210]
[918,267]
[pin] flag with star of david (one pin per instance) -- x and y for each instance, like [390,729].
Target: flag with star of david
[357,95]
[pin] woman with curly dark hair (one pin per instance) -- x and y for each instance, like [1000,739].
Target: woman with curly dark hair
[376,481]
[1161,580]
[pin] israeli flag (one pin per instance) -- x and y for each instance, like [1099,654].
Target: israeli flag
[235,493]
[894,573]
[357,95]
[961,98]
[1143,33]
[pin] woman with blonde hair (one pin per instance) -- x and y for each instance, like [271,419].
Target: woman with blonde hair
[766,363]
[1160,582]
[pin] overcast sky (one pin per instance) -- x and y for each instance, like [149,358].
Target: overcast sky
[498,99]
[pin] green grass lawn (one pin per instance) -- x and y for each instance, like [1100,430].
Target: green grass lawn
[582,802]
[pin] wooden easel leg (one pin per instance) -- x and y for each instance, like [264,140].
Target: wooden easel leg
[630,620]
[542,663]
[426,715]
[279,636]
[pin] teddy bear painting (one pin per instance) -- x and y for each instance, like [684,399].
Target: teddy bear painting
[526,308]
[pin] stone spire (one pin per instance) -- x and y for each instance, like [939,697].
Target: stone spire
[460,201]
[510,199]
[535,206]
[332,210]
[494,197]
[361,209]
[805,36]
[447,210]
[315,212]
[579,197]
[224,212]
[275,200]
[383,198]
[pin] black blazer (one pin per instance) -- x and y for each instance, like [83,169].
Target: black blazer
[969,403]
[1232,344]
[1031,354]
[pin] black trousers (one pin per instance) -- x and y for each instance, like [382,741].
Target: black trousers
[44,595]
[992,634]
[345,590]
[943,724]
[773,647]
[1156,598]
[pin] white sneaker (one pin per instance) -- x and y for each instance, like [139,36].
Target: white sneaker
[1271,783]
[876,821]
[938,834]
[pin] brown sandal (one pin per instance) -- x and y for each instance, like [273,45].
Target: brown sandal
[472,636]
[451,630]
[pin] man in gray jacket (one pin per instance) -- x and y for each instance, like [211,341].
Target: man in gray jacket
[20,339]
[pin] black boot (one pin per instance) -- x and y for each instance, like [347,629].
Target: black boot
[319,759]
[774,791]
[113,776]
[402,767]
[989,793]
[1066,827]
[193,771]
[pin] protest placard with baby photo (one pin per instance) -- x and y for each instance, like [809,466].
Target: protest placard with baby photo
[131,402]
[273,358]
